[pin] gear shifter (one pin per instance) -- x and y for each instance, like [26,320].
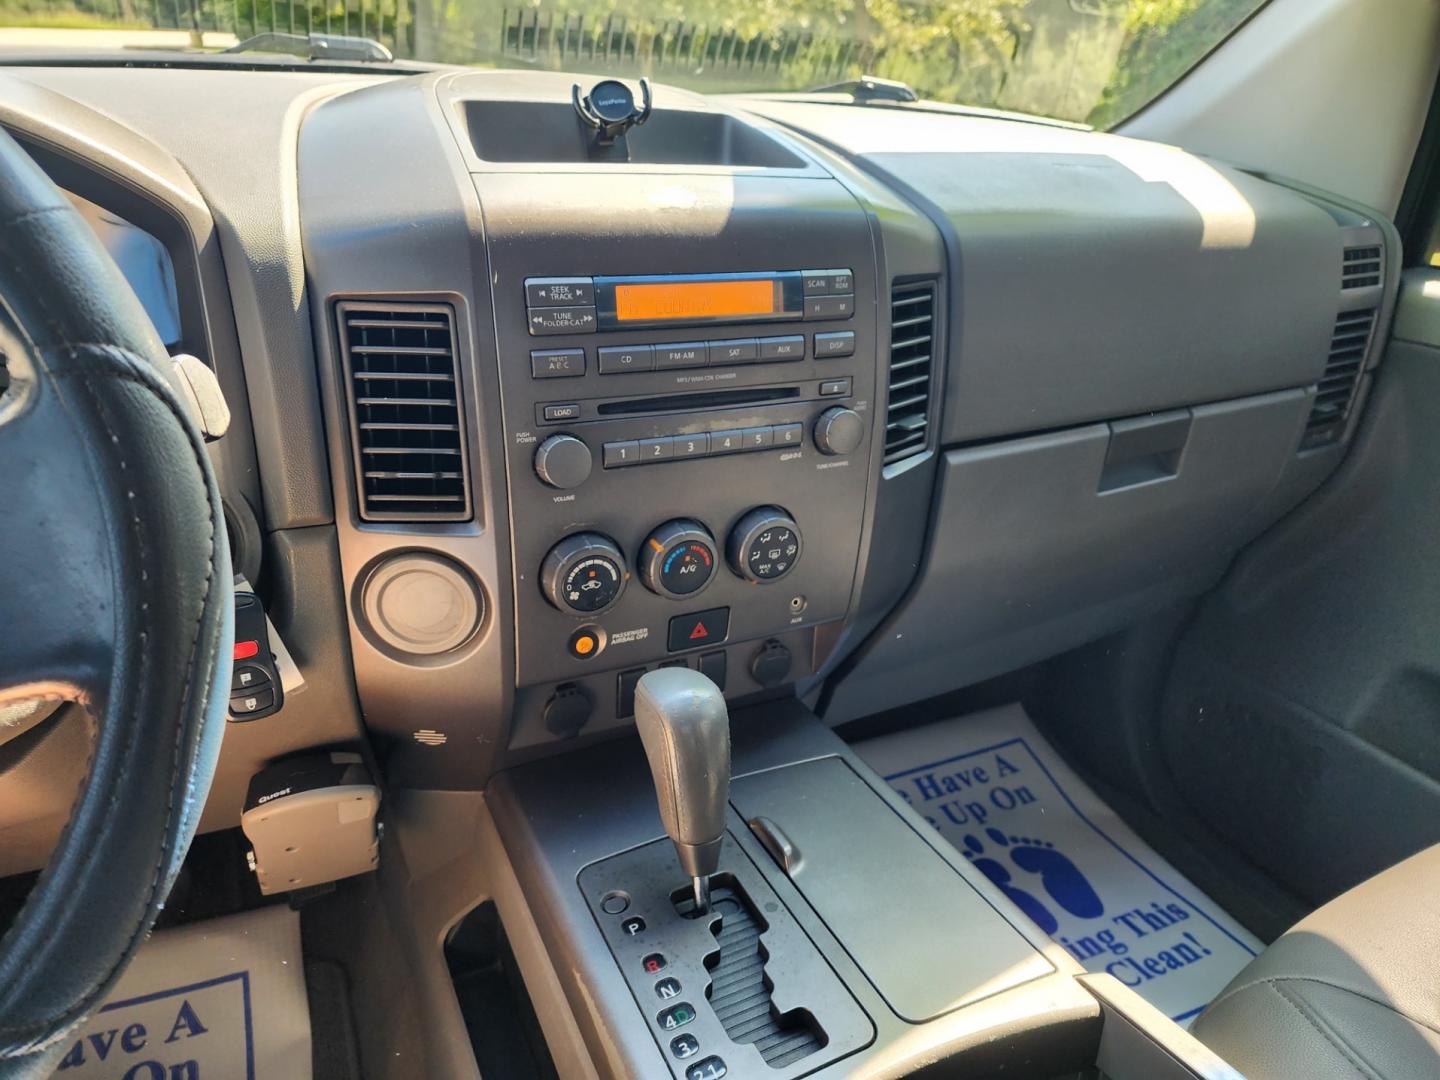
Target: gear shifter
[686,731]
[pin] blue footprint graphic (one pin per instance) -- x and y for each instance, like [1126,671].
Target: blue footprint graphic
[1038,912]
[1062,879]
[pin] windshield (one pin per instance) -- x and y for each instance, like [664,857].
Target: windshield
[1092,61]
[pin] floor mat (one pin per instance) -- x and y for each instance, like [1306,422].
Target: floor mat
[217,1000]
[997,791]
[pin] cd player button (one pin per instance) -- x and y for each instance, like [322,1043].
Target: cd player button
[759,438]
[835,387]
[662,449]
[687,354]
[557,292]
[777,349]
[557,363]
[727,442]
[561,320]
[561,412]
[692,445]
[741,351]
[827,282]
[787,435]
[618,454]
[626,358]
[829,307]
[840,343]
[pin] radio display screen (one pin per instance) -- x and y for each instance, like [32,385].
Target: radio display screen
[686,301]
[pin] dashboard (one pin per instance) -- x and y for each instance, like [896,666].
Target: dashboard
[856,403]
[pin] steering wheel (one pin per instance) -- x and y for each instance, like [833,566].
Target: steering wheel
[115,593]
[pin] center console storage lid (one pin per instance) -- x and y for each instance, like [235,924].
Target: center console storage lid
[926,940]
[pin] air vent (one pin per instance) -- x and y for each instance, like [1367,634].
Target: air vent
[405,418]
[912,348]
[1362,267]
[1336,392]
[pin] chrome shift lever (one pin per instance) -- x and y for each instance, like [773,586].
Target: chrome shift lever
[685,727]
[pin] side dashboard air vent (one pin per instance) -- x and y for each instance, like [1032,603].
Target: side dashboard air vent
[912,351]
[1362,267]
[1335,394]
[405,417]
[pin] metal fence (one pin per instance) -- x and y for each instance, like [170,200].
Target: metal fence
[560,39]
[384,20]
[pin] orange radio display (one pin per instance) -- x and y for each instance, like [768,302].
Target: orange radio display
[689,300]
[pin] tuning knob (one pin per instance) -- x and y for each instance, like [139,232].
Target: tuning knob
[764,546]
[584,574]
[678,559]
[563,461]
[839,430]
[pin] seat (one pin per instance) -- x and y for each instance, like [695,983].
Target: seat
[1351,990]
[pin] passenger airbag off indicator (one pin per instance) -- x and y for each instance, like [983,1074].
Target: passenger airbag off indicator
[586,643]
[699,630]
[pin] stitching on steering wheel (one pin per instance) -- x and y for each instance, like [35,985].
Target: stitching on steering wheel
[136,371]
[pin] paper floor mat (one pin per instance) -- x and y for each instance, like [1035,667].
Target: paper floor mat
[997,791]
[218,1000]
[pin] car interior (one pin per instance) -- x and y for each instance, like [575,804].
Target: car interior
[559,568]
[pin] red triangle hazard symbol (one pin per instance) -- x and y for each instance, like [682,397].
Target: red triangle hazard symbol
[699,632]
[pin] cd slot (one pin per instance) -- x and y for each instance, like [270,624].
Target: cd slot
[708,399]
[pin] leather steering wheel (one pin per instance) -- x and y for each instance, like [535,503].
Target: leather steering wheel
[115,592]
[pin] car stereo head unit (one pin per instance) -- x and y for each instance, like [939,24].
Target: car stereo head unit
[576,305]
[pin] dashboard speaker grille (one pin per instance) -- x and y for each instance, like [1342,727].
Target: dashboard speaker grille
[1335,394]
[406,422]
[912,351]
[1362,267]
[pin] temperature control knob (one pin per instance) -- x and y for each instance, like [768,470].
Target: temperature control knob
[839,431]
[563,462]
[765,545]
[678,559]
[584,574]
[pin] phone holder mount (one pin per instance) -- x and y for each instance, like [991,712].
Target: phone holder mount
[608,111]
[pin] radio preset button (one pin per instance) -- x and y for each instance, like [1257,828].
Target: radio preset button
[829,307]
[839,343]
[561,320]
[557,363]
[740,351]
[559,292]
[781,349]
[759,438]
[686,355]
[692,445]
[661,449]
[727,442]
[617,361]
[619,454]
[789,434]
[827,282]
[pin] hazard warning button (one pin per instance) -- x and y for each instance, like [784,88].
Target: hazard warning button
[699,630]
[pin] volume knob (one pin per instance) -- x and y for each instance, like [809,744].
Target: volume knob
[563,462]
[839,431]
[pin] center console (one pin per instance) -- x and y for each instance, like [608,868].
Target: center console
[689,454]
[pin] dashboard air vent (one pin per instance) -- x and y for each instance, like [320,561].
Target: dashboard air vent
[1361,268]
[912,349]
[1336,391]
[406,422]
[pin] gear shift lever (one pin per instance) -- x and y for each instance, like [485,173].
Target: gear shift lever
[686,731]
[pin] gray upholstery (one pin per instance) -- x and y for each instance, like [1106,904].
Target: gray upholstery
[1351,990]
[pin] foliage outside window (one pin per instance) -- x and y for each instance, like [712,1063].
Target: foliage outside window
[1092,61]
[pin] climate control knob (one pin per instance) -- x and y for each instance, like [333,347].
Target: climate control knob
[764,546]
[584,574]
[839,431]
[563,462]
[678,559]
